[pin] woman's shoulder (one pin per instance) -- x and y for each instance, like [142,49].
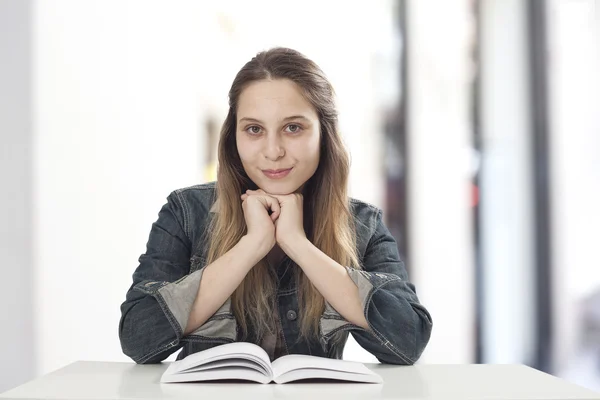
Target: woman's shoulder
[194,204]
[197,199]
[366,216]
[199,188]
[361,208]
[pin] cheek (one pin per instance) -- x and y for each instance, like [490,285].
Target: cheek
[245,150]
[312,150]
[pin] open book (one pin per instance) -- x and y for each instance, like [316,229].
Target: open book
[247,361]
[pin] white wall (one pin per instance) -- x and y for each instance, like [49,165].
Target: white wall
[117,129]
[439,135]
[16,317]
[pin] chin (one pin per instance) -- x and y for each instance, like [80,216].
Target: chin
[282,188]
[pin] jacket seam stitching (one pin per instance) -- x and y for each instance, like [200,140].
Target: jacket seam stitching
[382,338]
[162,348]
[346,327]
[186,214]
[220,316]
[169,315]
[202,186]
[205,339]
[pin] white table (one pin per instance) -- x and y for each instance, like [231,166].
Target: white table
[112,380]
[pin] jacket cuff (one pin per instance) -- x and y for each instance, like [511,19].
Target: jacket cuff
[175,298]
[367,282]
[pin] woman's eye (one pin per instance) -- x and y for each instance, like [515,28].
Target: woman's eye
[293,128]
[253,130]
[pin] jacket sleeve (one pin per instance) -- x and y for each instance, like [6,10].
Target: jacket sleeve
[400,326]
[157,305]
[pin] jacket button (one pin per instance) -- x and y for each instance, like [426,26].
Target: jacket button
[291,315]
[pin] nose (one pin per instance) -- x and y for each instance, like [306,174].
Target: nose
[273,148]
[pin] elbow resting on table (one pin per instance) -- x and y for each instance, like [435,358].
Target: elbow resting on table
[407,350]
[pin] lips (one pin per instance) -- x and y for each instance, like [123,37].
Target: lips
[276,173]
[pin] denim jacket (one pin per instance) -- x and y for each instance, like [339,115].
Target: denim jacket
[165,283]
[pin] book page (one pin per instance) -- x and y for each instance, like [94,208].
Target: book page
[225,373]
[298,361]
[235,362]
[316,373]
[244,350]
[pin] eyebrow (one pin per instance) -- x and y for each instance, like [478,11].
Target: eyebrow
[248,119]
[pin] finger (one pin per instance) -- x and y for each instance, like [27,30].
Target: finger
[244,196]
[275,208]
[279,197]
[271,204]
[286,197]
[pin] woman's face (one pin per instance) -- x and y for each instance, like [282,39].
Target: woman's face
[278,135]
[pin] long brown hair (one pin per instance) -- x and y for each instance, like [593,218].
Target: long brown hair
[328,222]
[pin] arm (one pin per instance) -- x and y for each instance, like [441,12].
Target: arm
[148,330]
[330,279]
[223,276]
[165,298]
[220,279]
[400,327]
[378,303]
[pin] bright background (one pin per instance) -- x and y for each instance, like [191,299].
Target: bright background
[104,107]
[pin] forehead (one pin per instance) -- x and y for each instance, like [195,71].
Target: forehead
[272,99]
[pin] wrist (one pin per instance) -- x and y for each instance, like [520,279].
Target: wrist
[296,246]
[256,247]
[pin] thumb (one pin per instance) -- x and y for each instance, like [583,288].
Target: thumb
[271,204]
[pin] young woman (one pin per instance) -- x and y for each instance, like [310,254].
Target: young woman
[274,252]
